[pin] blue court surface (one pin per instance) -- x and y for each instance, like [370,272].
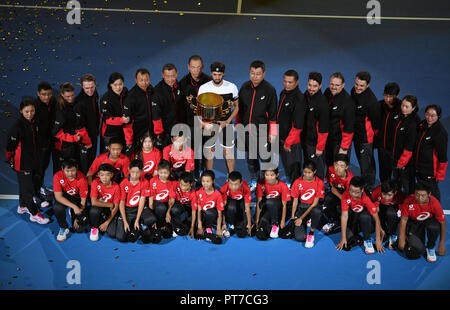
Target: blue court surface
[38,44]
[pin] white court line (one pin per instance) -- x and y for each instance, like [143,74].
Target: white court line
[16,197]
[226,13]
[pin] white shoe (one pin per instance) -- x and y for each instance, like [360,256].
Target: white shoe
[45,204]
[431,255]
[274,232]
[368,247]
[22,210]
[308,223]
[174,234]
[39,218]
[94,234]
[226,233]
[328,226]
[253,185]
[62,235]
[392,240]
[309,241]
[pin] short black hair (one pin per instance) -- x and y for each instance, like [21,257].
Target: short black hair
[358,182]
[114,77]
[435,107]
[364,76]
[413,100]
[338,75]
[115,140]
[69,163]
[195,57]
[315,76]
[209,173]
[392,89]
[169,67]
[44,86]
[136,163]
[421,186]
[142,71]
[275,170]
[310,165]
[164,164]
[341,157]
[234,176]
[106,167]
[258,64]
[292,73]
[187,177]
[388,186]
[26,101]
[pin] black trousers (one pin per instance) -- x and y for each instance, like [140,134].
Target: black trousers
[147,217]
[180,212]
[235,213]
[332,149]
[359,222]
[292,161]
[160,210]
[59,210]
[29,185]
[209,218]
[44,162]
[315,214]
[332,207]
[405,178]
[389,218]
[87,156]
[385,164]
[366,160]
[73,151]
[309,153]
[270,212]
[262,153]
[430,227]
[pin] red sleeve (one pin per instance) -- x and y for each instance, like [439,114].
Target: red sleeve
[320,189]
[344,204]
[94,167]
[128,132]
[273,129]
[84,137]
[94,190]
[190,163]
[294,189]
[346,141]
[404,208]
[223,191]
[438,212]
[404,159]
[56,185]
[158,127]
[219,202]
[145,189]
[441,171]
[123,194]
[247,192]
[376,193]
[194,203]
[259,190]
[9,156]
[321,141]
[62,136]
[166,152]
[84,188]
[125,166]
[114,121]
[286,195]
[293,137]
[369,205]
[172,193]
[116,195]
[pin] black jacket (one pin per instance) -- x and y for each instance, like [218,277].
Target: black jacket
[430,150]
[317,121]
[88,114]
[44,118]
[22,145]
[385,138]
[139,103]
[257,105]
[367,116]
[402,131]
[190,87]
[168,107]
[342,118]
[113,107]
[64,127]
[291,116]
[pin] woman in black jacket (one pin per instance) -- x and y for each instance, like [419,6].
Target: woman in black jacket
[403,129]
[22,149]
[430,151]
[115,123]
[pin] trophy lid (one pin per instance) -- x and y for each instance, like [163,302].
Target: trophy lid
[210,99]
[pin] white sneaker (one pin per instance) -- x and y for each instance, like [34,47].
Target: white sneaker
[226,233]
[174,234]
[62,235]
[308,223]
[39,218]
[253,185]
[309,241]
[22,210]
[94,234]
[45,204]
[274,232]
[328,226]
[431,255]
[368,247]
[392,240]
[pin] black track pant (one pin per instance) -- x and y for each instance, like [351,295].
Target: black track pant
[44,162]
[59,210]
[332,207]
[270,213]
[209,218]
[332,149]
[98,215]
[253,163]
[309,153]
[366,160]
[147,217]
[315,215]
[87,156]
[292,161]
[385,164]
[180,212]
[235,213]
[430,227]
[29,184]
[359,222]
[405,178]
[72,151]
[389,218]
[160,210]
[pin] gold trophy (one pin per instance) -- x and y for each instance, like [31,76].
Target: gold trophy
[210,107]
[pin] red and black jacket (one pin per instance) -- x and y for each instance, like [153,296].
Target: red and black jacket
[291,116]
[317,121]
[258,105]
[367,116]
[430,151]
[190,87]
[403,131]
[385,138]
[168,107]
[44,119]
[88,115]
[64,128]
[139,103]
[113,107]
[22,146]
[342,118]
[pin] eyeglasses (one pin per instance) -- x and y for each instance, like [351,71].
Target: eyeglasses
[430,115]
